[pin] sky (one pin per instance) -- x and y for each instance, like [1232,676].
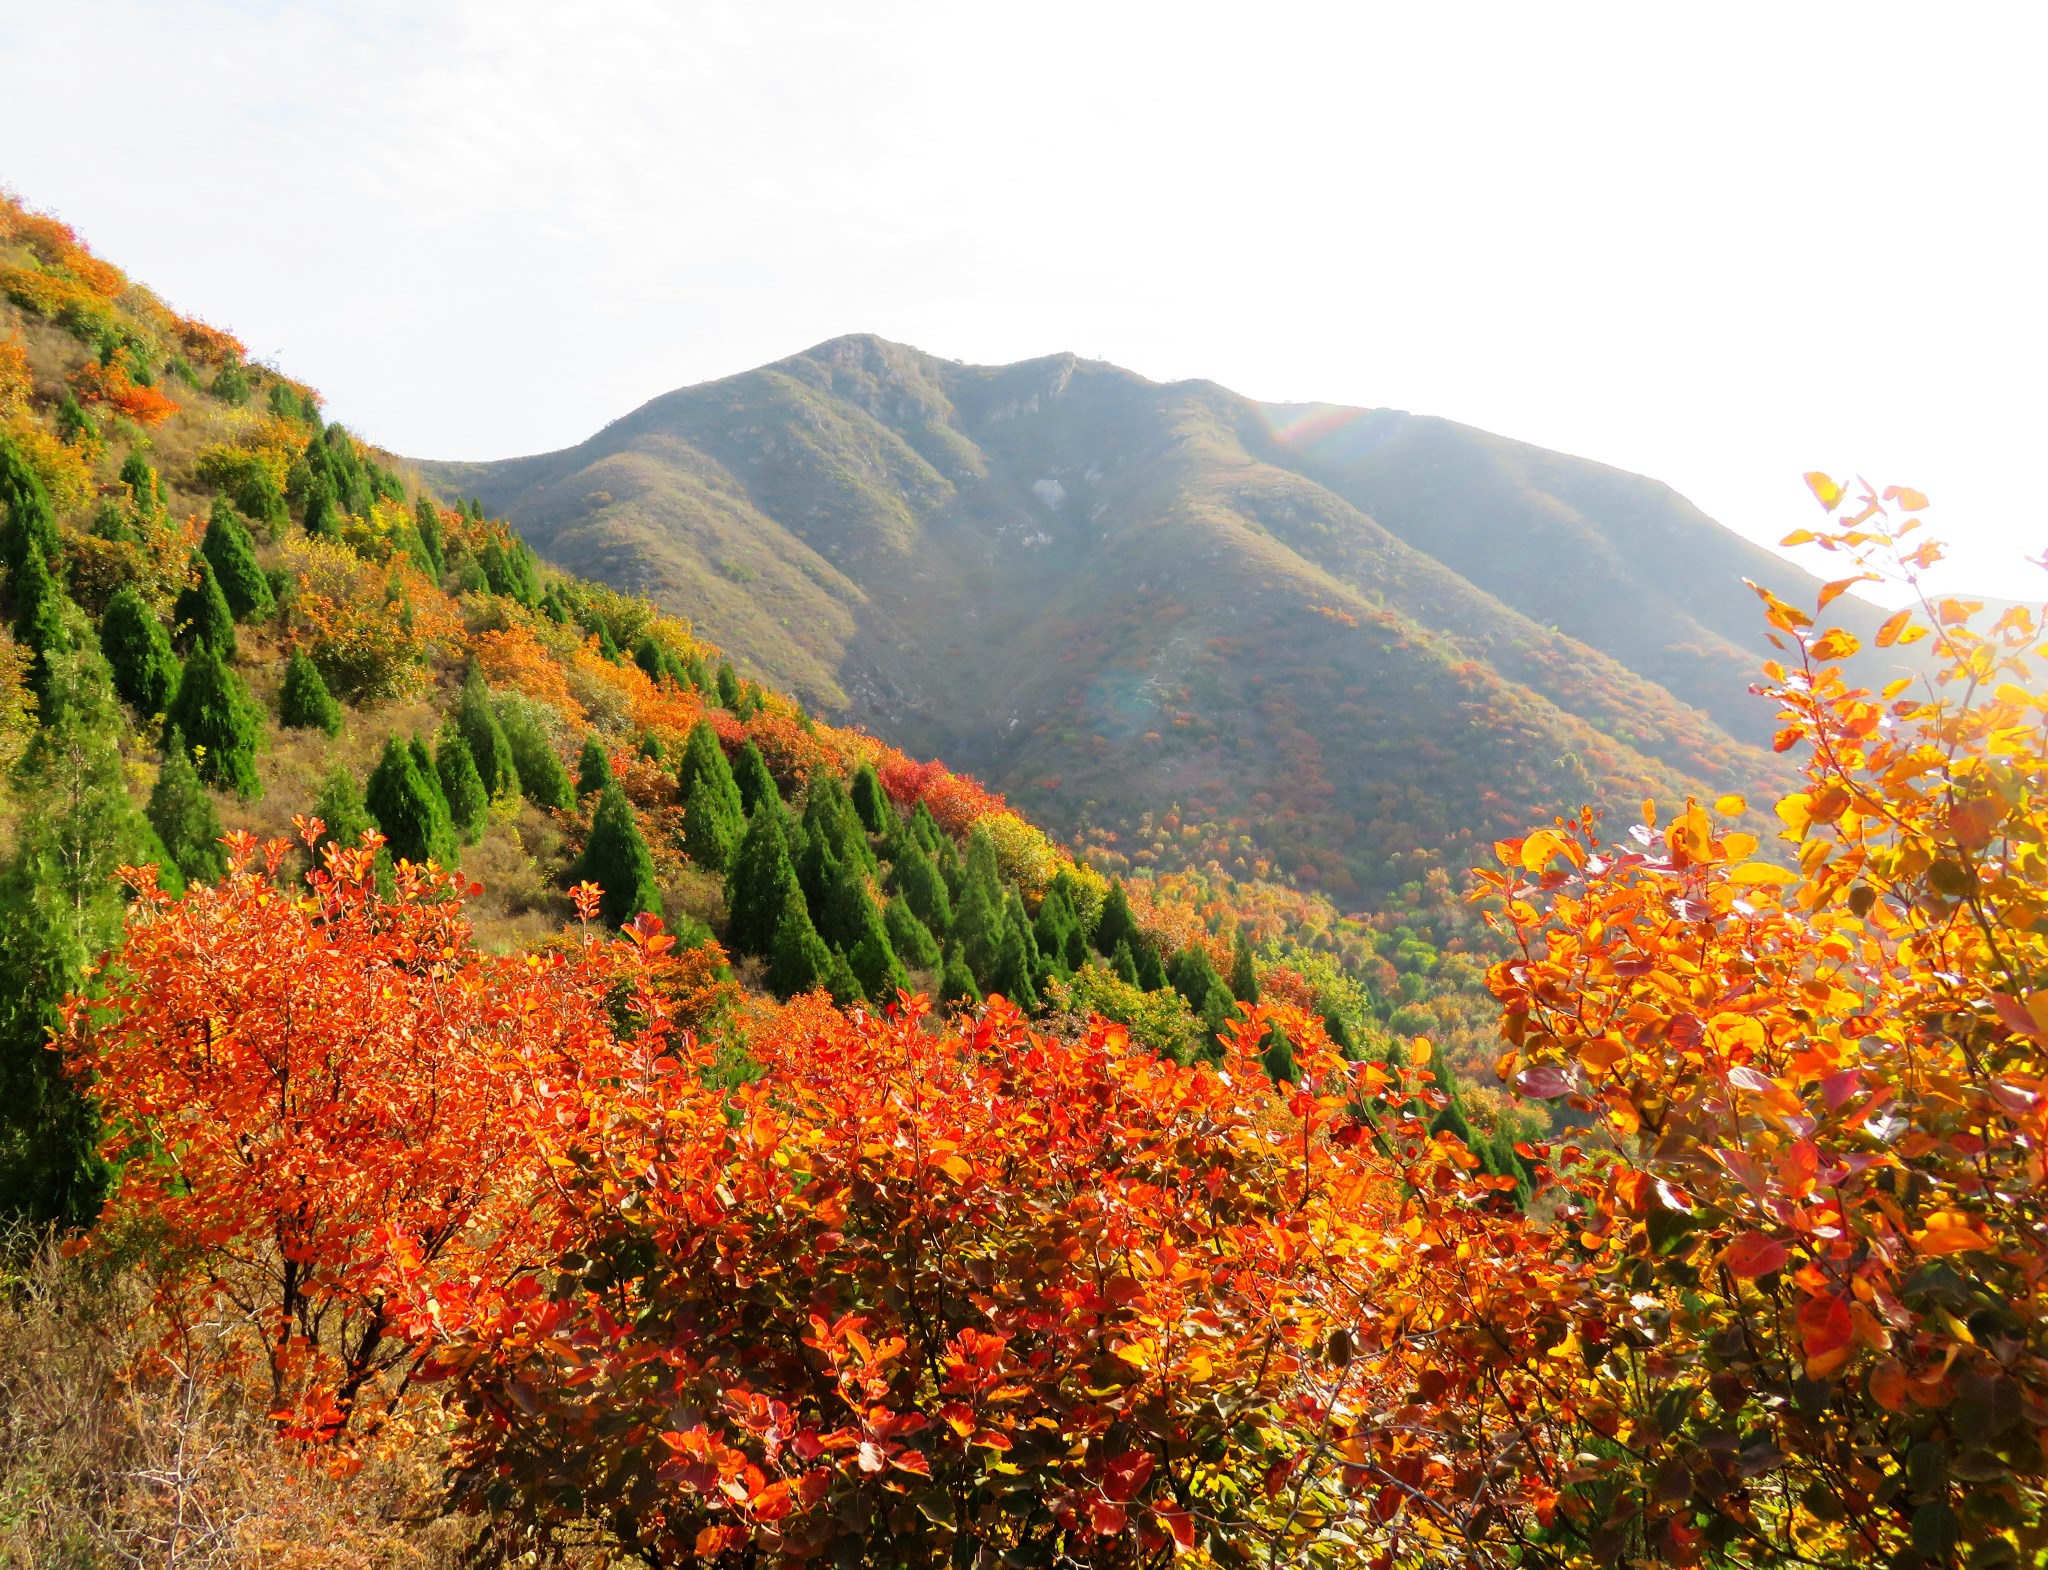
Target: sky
[1720,245]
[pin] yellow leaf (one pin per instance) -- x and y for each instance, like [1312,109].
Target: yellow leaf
[1950,1240]
[1731,806]
[1831,592]
[1888,634]
[1540,849]
[1739,847]
[1753,873]
[1825,490]
[1650,812]
[1419,1051]
[1908,499]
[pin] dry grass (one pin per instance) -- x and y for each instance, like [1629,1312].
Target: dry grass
[102,1464]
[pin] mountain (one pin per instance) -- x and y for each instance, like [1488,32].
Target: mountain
[1345,645]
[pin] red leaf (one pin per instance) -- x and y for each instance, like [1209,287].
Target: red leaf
[1753,1255]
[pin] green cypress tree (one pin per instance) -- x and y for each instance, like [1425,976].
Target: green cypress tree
[183,816]
[842,983]
[729,695]
[1052,928]
[139,652]
[876,967]
[426,528]
[758,886]
[201,614]
[980,919]
[305,703]
[870,803]
[651,748]
[1339,1032]
[1195,979]
[232,555]
[462,788]
[1278,1055]
[849,909]
[816,867]
[714,818]
[339,807]
[1124,965]
[1012,976]
[26,514]
[926,828]
[221,723]
[593,767]
[616,859]
[423,760]
[489,748]
[910,938]
[956,981]
[323,511]
[40,622]
[650,657]
[1151,974]
[1116,925]
[750,774]
[798,960]
[59,905]
[1244,974]
[542,778]
[408,811]
[918,881]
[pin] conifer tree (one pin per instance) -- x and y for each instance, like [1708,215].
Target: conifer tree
[593,767]
[184,818]
[323,512]
[408,811]
[542,778]
[1116,925]
[1339,1032]
[39,620]
[232,555]
[758,886]
[1278,1055]
[926,830]
[426,528]
[1124,965]
[956,981]
[220,721]
[650,657]
[713,817]
[1195,979]
[489,748]
[1151,973]
[305,703]
[817,867]
[201,614]
[849,911]
[59,905]
[798,960]
[616,859]
[26,514]
[143,485]
[729,695]
[980,918]
[750,774]
[841,982]
[1053,927]
[1012,977]
[461,787]
[651,748]
[870,803]
[918,881]
[910,938]
[876,967]
[423,760]
[138,651]
[345,819]
[1244,975]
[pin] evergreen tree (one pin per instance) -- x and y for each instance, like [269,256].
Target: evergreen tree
[1052,929]
[926,830]
[184,818]
[849,912]
[713,817]
[423,760]
[407,809]
[1012,976]
[817,867]
[616,859]
[842,983]
[40,623]
[651,748]
[59,905]
[728,687]
[201,614]
[910,938]
[542,778]
[26,514]
[1339,1033]
[345,820]
[870,803]
[798,960]
[918,881]
[650,657]
[980,919]
[461,786]
[760,882]
[750,774]
[489,748]
[323,512]
[426,528]
[1244,975]
[232,555]
[143,484]
[593,767]
[221,723]
[875,966]
[956,981]
[139,652]
[1151,974]
[1124,965]
[305,703]
[1278,1055]
[1195,979]
[1116,925]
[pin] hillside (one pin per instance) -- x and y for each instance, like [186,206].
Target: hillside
[1336,645]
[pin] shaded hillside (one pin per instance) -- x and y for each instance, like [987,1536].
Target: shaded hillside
[1113,598]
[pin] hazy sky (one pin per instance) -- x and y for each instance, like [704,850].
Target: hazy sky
[1717,244]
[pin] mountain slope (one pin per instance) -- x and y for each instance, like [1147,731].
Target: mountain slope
[1113,598]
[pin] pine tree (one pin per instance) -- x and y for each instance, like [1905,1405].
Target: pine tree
[40,622]
[817,868]
[423,760]
[650,657]
[1339,1032]
[1052,928]
[60,904]
[1244,975]
[1116,925]
[1195,979]
[728,687]
[305,703]
[842,983]
[26,514]
[220,721]
[345,819]
[593,767]
[910,938]
[616,859]
[1124,965]
[461,787]
[759,884]
[918,881]
[426,528]
[1012,977]
[849,909]
[488,746]
[542,778]
[184,818]
[139,652]
[232,555]
[201,614]
[1278,1055]
[869,801]
[651,748]
[980,919]
[714,818]
[956,982]
[408,811]
[798,960]
[750,774]
[875,966]
[1151,974]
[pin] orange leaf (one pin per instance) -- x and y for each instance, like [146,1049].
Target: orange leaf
[1752,1255]
[1825,490]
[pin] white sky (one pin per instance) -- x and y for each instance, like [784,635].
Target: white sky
[1718,244]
